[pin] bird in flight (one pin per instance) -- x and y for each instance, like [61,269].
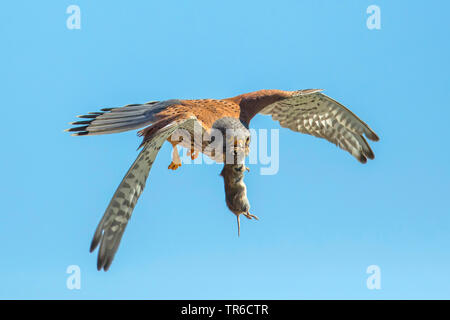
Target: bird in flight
[223,125]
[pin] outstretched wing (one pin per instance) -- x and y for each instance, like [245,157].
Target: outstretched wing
[312,112]
[112,226]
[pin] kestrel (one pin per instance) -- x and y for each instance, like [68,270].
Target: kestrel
[180,121]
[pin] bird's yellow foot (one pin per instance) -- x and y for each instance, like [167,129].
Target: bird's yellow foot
[250,216]
[176,161]
[174,166]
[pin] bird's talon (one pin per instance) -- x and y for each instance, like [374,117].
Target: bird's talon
[174,166]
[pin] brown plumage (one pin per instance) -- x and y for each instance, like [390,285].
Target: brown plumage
[306,111]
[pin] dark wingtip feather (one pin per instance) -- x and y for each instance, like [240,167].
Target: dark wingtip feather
[82,133]
[362,159]
[101,259]
[107,263]
[99,264]
[370,154]
[95,241]
[104,262]
[373,136]
[88,116]
[82,128]
[93,246]
[76,123]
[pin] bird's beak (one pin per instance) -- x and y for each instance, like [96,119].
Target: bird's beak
[239,143]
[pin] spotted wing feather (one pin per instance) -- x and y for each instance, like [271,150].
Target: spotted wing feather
[316,114]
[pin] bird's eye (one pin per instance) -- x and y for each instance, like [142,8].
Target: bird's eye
[238,169]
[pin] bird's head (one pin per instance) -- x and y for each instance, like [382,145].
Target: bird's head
[235,139]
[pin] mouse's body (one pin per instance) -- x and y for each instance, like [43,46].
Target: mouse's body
[236,191]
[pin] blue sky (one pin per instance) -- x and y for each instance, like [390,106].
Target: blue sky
[324,217]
